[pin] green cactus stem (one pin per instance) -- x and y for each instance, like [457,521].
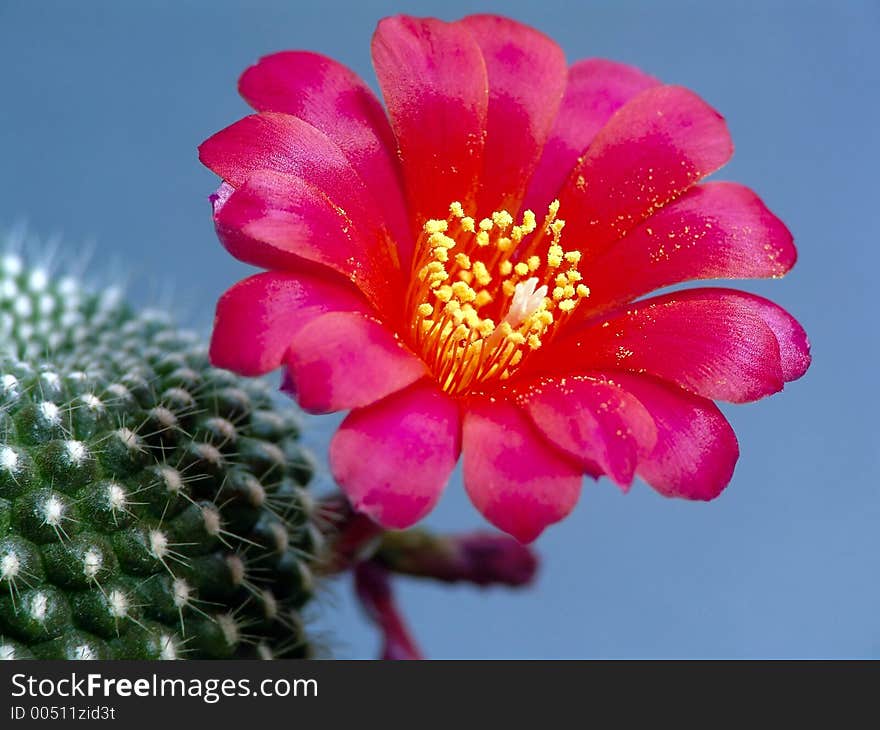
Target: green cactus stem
[151,506]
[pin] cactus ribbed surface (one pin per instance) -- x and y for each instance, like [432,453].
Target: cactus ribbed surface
[151,506]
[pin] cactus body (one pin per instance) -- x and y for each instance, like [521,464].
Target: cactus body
[151,506]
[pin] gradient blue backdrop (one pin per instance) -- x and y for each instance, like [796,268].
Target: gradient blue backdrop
[104,103]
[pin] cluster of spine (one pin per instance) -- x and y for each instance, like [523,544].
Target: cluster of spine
[151,506]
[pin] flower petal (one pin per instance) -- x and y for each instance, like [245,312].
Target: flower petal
[347,360]
[394,457]
[718,230]
[713,342]
[512,475]
[275,220]
[527,74]
[794,345]
[654,148]
[336,101]
[280,142]
[434,82]
[593,421]
[596,89]
[696,449]
[257,318]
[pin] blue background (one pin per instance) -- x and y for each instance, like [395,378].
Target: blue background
[104,103]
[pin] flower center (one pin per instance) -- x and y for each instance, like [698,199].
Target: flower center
[485,295]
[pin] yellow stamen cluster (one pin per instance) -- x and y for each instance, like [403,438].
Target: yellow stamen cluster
[484,295]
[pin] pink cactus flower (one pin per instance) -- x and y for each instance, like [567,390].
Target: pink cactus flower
[467,275]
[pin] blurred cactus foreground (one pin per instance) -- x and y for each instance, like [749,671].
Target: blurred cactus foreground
[151,506]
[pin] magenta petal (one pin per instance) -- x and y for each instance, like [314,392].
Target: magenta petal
[336,101]
[715,231]
[659,144]
[512,475]
[593,421]
[393,458]
[347,360]
[527,76]
[257,318]
[794,346]
[696,449]
[433,79]
[596,89]
[287,144]
[713,342]
[275,220]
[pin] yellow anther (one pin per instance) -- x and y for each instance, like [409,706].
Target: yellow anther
[481,273]
[441,240]
[433,272]
[471,318]
[463,291]
[483,298]
[465,268]
[501,218]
